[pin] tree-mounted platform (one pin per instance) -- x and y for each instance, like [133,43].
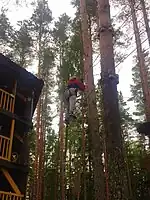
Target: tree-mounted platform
[144,128]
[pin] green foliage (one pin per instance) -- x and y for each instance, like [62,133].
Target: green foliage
[72,59]
[91,7]
[138,176]
[41,19]
[59,52]
[22,44]
[61,29]
[60,36]
[6,33]
[32,140]
[136,87]
[126,118]
[5,27]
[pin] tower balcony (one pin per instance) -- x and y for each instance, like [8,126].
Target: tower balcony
[4,148]
[7,101]
[10,195]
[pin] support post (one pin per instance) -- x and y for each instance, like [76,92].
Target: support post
[13,122]
[11,182]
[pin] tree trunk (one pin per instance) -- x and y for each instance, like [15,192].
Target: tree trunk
[117,180]
[62,164]
[43,130]
[37,195]
[145,19]
[90,171]
[36,186]
[57,177]
[140,54]
[93,123]
[83,150]
[36,162]
[41,164]
[65,155]
[70,173]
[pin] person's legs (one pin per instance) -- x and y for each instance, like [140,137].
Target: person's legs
[72,101]
[66,104]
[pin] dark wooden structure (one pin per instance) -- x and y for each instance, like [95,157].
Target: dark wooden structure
[144,128]
[19,94]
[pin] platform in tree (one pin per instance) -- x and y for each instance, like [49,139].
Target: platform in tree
[144,128]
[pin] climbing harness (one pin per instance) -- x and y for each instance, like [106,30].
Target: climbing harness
[67,95]
[67,89]
[71,91]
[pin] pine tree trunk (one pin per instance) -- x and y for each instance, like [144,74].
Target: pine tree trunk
[37,150]
[145,19]
[90,182]
[70,173]
[83,150]
[43,129]
[117,180]
[62,164]
[65,155]
[93,123]
[43,125]
[57,164]
[40,180]
[140,54]
[36,164]
[37,195]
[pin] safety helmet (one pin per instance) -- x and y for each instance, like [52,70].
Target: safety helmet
[73,77]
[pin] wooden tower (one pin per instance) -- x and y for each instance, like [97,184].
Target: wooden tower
[19,94]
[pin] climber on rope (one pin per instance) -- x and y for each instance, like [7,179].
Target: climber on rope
[74,85]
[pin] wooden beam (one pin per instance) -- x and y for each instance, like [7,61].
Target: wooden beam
[18,137]
[11,181]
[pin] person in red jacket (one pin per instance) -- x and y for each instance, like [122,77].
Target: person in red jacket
[73,86]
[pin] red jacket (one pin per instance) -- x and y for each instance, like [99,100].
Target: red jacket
[75,83]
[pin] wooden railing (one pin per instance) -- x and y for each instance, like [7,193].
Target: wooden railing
[10,196]
[6,101]
[4,147]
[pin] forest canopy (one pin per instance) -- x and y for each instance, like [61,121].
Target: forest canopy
[75,161]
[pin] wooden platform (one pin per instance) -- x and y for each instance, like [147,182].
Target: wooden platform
[13,116]
[10,165]
[144,128]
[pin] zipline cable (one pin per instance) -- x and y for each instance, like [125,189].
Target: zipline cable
[130,54]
